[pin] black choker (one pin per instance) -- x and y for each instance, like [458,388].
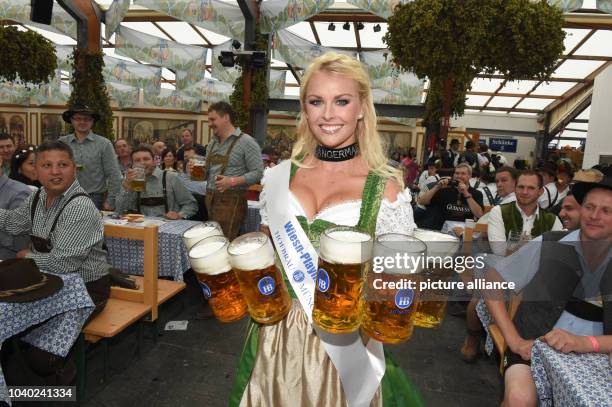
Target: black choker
[336,154]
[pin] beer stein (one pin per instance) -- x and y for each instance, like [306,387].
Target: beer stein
[390,297]
[210,262]
[344,256]
[138,183]
[261,282]
[196,171]
[432,305]
[198,232]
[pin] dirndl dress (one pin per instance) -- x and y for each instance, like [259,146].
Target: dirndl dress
[286,365]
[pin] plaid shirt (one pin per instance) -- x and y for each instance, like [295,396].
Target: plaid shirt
[245,159]
[101,170]
[77,238]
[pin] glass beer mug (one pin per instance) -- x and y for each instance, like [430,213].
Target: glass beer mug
[252,258]
[196,171]
[198,232]
[139,182]
[390,297]
[432,305]
[344,256]
[210,261]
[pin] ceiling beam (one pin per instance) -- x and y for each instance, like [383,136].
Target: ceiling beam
[208,43]
[315,33]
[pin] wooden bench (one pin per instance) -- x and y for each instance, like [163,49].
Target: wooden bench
[496,335]
[124,307]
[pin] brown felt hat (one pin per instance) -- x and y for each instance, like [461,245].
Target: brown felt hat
[22,281]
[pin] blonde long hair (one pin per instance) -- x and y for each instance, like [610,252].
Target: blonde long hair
[371,146]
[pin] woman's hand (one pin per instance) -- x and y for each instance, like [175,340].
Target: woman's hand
[566,342]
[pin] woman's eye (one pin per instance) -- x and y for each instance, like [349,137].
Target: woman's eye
[314,102]
[342,102]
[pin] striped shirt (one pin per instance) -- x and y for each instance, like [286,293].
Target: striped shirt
[245,159]
[100,168]
[77,238]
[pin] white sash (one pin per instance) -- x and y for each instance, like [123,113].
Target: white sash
[360,367]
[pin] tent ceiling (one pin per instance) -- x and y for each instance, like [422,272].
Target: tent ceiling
[587,51]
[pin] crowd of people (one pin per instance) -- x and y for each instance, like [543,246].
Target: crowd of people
[339,174]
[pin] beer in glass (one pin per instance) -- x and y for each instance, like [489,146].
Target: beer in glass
[210,262]
[252,258]
[390,297]
[196,171]
[344,254]
[138,183]
[432,306]
[198,232]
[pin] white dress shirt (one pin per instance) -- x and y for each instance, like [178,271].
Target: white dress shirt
[496,229]
[549,189]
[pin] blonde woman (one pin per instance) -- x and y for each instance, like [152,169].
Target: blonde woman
[338,175]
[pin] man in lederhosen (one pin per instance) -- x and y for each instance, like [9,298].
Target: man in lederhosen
[233,162]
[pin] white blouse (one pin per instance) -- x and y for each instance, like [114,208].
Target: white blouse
[393,217]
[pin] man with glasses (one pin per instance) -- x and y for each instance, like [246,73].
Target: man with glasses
[97,166]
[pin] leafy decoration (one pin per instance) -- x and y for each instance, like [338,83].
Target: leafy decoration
[89,88]
[451,41]
[26,56]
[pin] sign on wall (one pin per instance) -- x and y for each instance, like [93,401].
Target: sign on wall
[504,145]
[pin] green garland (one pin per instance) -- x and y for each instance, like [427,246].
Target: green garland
[259,87]
[88,88]
[26,56]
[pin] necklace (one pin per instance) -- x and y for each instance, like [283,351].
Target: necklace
[336,154]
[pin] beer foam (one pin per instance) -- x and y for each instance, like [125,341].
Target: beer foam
[197,233]
[252,255]
[438,244]
[210,258]
[345,247]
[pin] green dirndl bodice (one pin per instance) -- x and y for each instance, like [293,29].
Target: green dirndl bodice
[397,391]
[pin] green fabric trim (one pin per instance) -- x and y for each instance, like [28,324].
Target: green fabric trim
[370,202]
[513,221]
[245,364]
[397,389]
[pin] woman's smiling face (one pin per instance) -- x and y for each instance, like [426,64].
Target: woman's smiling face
[333,108]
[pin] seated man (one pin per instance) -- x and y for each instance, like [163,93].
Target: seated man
[13,195]
[570,212]
[453,200]
[550,194]
[566,284]
[522,216]
[66,231]
[505,181]
[164,194]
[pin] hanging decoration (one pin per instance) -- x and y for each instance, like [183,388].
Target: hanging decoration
[210,90]
[130,73]
[158,51]
[604,5]
[214,15]
[381,8]
[124,95]
[169,98]
[277,84]
[19,10]
[114,16]
[566,5]
[279,14]
[292,49]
